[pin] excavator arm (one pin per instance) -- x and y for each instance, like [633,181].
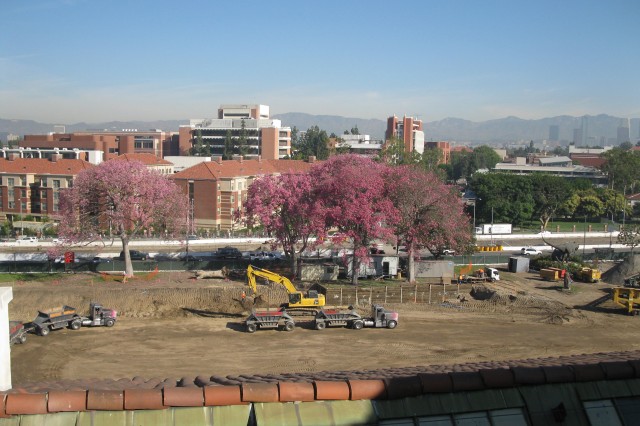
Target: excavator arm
[296,298]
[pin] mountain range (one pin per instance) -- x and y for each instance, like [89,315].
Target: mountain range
[600,128]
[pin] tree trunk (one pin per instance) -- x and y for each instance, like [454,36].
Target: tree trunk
[128,266]
[411,264]
[294,265]
[355,268]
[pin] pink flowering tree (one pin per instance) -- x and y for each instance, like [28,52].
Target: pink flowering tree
[285,206]
[431,214]
[354,199]
[120,199]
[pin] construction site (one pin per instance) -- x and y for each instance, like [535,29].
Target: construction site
[172,325]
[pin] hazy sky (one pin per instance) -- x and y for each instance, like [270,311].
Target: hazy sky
[65,61]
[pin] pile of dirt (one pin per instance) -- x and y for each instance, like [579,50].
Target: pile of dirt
[617,274]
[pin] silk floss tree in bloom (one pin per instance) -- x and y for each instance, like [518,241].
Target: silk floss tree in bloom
[431,214]
[285,206]
[354,199]
[120,199]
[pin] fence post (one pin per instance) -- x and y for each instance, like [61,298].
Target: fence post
[356,295]
[429,293]
[341,301]
[444,290]
[415,295]
[385,294]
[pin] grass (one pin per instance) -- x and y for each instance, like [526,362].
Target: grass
[39,277]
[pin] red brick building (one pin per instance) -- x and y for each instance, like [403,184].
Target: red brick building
[409,130]
[111,144]
[218,188]
[31,186]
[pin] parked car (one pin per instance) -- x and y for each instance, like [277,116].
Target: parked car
[449,252]
[229,253]
[25,239]
[530,251]
[192,237]
[135,255]
[98,259]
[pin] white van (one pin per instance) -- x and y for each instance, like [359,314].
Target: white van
[25,239]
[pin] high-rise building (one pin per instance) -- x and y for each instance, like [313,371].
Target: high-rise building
[554,132]
[585,131]
[409,130]
[236,125]
[624,133]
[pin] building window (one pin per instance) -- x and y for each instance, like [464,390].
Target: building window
[11,194]
[11,181]
[56,183]
[44,194]
[44,207]
[56,206]
[56,196]
[233,199]
[23,181]
[24,206]
[23,192]
[12,205]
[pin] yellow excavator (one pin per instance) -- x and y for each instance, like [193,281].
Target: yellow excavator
[311,302]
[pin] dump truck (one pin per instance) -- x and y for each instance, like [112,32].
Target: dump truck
[17,332]
[481,275]
[269,319]
[67,317]
[380,318]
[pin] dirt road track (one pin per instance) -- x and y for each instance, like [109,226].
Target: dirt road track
[199,341]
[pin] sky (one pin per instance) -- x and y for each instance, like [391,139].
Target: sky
[67,61]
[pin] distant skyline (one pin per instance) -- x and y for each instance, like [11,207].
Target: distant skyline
[67,61]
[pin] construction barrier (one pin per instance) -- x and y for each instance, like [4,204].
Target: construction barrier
[489,248]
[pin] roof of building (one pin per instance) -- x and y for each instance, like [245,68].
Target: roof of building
[41,166]
[145,158]
[554,160]
[236,168]
[164,395]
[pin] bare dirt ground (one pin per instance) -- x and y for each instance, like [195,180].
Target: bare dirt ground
[174,326]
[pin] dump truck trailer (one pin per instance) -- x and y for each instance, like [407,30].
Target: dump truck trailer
[269,319]
[380,318]
[67,317]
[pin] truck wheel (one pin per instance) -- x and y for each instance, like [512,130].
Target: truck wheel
[109,322]
[289,326]
[44,331]
[321,325]
[251,328]
[357,325]
[392,324]
[75,325]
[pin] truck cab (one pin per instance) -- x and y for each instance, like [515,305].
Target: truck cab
[381,318]
[99,316]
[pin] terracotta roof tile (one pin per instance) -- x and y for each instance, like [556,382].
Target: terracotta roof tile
[67,401]
[617,369]
[331,390]
[222,395]
[558,374]
[143,399]
[588,372]
[436,382]
[367,389]
[234,168]
[145,158]
[110,400]
[183,397]
[467,381]
[291,391]
[3,403]
[26,403]
[498,378]
[41,166]
[528,375]
[260,392]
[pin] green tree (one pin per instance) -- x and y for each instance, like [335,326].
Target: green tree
[503,197]
[243,143]
[622,168]
[227,152]
[198,148]
[430,159]
[314,142]
[549,194]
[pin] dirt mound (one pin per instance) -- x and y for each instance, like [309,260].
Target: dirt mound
[617,274]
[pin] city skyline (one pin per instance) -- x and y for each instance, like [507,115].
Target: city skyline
[68,61]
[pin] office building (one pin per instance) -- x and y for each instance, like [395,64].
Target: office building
[408,130]
[244,130]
